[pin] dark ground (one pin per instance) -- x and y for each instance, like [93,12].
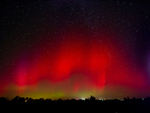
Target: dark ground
[134,105]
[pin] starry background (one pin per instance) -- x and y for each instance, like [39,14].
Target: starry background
[33,29]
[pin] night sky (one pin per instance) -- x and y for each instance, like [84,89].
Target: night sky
[74,49]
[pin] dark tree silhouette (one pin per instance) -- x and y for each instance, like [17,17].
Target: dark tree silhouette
[127,105]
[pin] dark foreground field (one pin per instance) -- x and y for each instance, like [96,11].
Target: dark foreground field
[127,105]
